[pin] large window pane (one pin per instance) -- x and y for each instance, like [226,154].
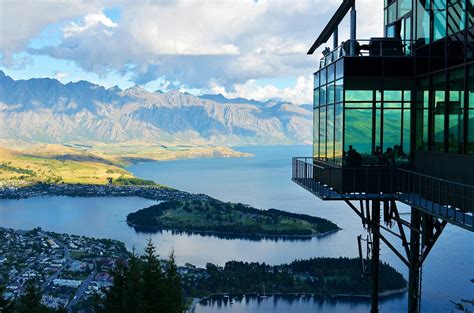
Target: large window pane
[359,95]
[392,13]
[340,69]
[404,7]
[439,20]
[316,132]
[322,132]
[392,125]
[455,110]
[456,16]
[358,130]
[438,121]
[330,73]
[322,95]
[423,21]
[338,128]
[316,80]
[322,76]
[330,93]
[316,97]
[471,87]
[470,132]
[406,131]
[439,111]
[392,95]
[330,132]
[339,90]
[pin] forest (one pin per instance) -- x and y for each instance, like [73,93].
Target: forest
[325,276]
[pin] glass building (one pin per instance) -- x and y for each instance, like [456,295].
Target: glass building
[393,121]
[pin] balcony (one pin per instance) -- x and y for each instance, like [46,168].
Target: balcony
[373,47]
[444,199]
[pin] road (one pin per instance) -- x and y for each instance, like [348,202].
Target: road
[80,291]
[67,258]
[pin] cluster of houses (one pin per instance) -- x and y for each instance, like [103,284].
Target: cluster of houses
[63,266]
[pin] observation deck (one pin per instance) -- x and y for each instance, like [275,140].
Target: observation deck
[450,201]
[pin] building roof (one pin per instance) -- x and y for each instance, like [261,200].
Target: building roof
[332,25]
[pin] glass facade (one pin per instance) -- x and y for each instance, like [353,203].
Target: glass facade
[384,120]
[372,123]
[444,120]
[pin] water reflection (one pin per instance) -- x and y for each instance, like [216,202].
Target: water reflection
[154,231]
[288,303]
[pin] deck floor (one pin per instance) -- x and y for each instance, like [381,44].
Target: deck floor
[450,214]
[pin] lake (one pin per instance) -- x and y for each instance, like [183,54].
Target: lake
[263,181]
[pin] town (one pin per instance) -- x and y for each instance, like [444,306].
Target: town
[69,269]
[154,192]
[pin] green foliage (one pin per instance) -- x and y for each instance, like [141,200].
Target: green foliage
[319,275]
[7,167]
[132,181]
[5,306]
[227,218]
[143,286]
[30,301]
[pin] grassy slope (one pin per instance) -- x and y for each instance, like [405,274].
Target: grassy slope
[24,163]
[230,218]
[19,168]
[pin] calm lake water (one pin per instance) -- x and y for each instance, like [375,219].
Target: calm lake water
[263,181]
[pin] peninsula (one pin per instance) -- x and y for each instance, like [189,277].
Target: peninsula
[231,219]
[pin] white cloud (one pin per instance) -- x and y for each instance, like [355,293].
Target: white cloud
[90,21]
[21,21]
[300,93]
[61,76]
[199,44]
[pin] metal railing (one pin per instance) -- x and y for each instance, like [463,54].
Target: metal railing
[446,199]
[375,47]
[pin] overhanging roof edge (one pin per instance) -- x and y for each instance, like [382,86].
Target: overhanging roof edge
[332,24]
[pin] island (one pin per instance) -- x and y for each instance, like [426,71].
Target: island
[223,218]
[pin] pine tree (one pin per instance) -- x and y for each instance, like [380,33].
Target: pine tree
[153,288]
[5,305]
[174,296]
[30,302]
[114,300]
[133,301]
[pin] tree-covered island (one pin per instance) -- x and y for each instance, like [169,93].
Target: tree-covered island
[232,219]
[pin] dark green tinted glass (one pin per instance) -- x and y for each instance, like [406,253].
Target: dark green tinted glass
[423,21]
[392,122]
[439,20]
[316,132]
[316,97]
[330,132]
[456,16]
[358,130]
[322,132]
[338,129]
[359,95]
[470,132]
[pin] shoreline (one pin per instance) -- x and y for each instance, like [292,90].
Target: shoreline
[237,235]
[158,193]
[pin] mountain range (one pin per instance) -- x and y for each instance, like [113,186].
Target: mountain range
[47,111]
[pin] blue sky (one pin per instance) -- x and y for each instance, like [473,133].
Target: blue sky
[253,49]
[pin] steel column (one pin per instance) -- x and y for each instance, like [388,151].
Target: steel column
[414,266]
[374,268]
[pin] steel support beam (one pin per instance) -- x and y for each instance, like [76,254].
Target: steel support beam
[374,269]
[414,263]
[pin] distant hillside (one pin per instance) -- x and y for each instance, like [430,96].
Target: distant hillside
[45,110]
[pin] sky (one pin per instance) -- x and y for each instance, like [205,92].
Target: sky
[254,49]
